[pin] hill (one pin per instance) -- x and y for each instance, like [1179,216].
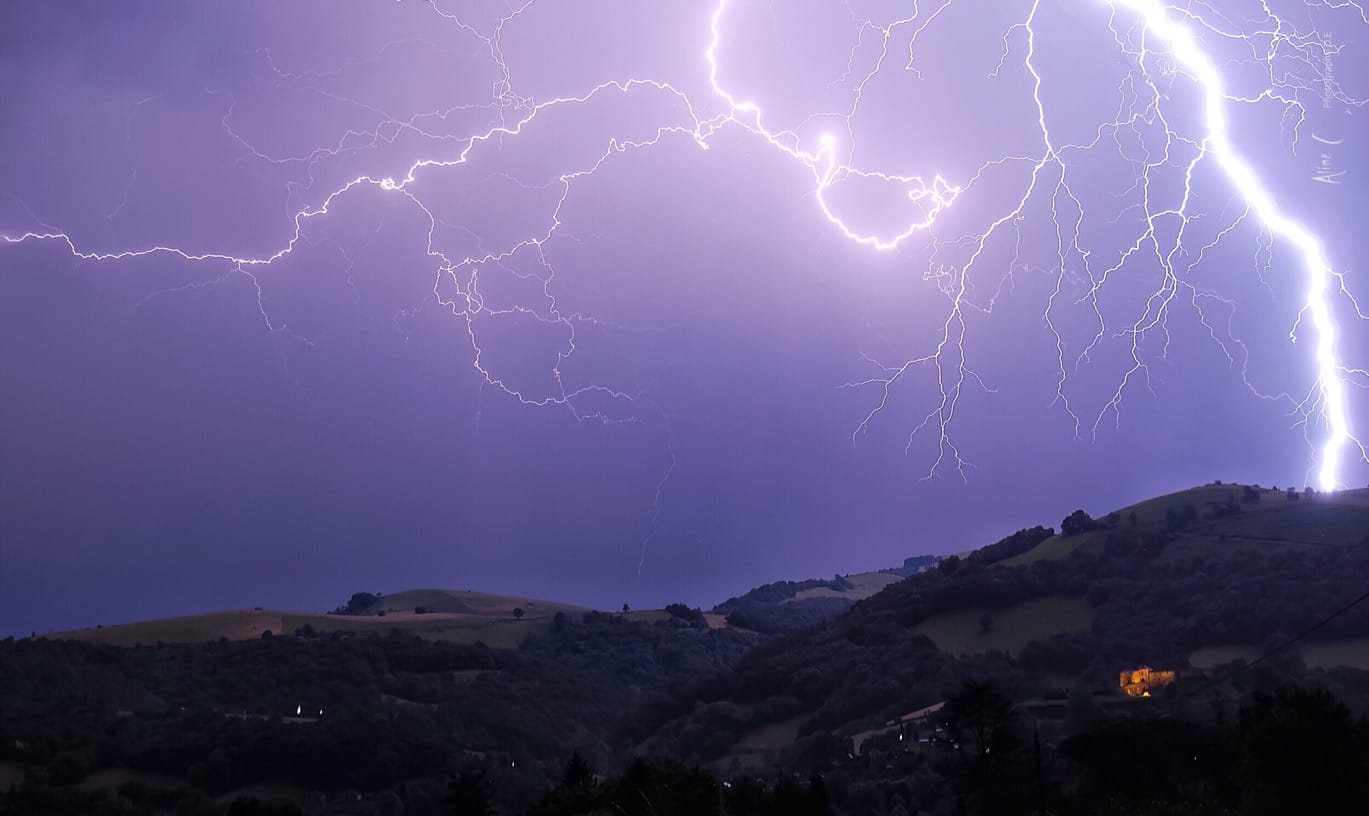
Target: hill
[1230,591]
[1219,570]
[338,710]
[437,614]
[786,606]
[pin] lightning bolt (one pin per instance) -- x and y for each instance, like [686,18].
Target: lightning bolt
[1161,41]
[1332,373]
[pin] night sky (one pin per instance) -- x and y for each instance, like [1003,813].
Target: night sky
[298,300]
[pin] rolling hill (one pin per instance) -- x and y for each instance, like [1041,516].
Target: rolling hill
[449,615]
[786,606]
[1191,581]
[1236,589]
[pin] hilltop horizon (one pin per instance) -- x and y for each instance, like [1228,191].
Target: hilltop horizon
[1110,643]
[562,601]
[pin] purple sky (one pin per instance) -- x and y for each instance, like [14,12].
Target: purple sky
[629,346]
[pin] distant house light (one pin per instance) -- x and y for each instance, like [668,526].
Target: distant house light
[1138,682]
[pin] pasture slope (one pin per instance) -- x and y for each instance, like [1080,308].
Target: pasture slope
[456,616]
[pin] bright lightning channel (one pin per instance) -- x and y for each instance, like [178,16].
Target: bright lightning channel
[827,167]
[1331,379]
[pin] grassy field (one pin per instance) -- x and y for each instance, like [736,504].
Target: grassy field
[757,748]
[863,585]
[1211,657]
[772,737]
[1152,511]
[1326,654]
[465,617]
[958,632]
[1341,517]
[1312,520]
[1329,654]
[240,624]
[498,633]
[645,615]
[470,603]
[1057,547]
[1337,519]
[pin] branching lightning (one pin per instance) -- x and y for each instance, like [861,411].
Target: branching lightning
[1164,44]
[1331,372]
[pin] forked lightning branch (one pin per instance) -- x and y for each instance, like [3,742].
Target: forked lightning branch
[1162,42]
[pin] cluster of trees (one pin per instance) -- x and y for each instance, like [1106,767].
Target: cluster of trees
[635,656]
[1157,589]
[693,617]
[361,603]
[221,716]
[1079,522]
[791,616]
[665,787]
[1015,544]
[1292,750]
[1288,750]
[913,565]
[416,726]
[771,609]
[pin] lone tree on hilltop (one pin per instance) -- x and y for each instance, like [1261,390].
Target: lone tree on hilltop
[359,604]
[1076,523]
[518,612]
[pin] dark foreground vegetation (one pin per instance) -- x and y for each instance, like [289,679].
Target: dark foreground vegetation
[844,708]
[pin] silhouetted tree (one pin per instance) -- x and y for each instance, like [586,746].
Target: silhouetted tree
[791,798]
[578,775]
[1077,522]
[1301,752]
[980,712]
[468,796]
[518,612]
[1153,766]
[359,604]
[693,617]
[980,718]
[664,788]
